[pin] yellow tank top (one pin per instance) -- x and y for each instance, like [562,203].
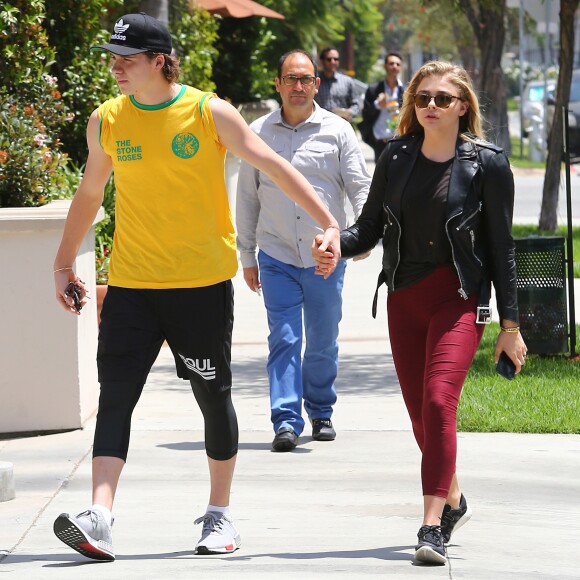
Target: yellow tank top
[173,224]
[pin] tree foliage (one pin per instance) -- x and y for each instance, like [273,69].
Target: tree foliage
[487,19]
[194,34]
[438,29]
[249,48]
[31,109]
[73,26]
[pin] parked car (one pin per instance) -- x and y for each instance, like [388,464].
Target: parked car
[533,102]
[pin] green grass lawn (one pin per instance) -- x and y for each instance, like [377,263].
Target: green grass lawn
[523,162]
[543,398]
[523,231]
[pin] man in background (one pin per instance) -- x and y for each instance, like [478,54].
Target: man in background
[336,92]
[382,103]
[325,150]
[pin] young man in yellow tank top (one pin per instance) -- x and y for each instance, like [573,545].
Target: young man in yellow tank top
[173,259]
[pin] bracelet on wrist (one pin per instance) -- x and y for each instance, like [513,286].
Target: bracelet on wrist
[61,269]
[332,227]
[510,328]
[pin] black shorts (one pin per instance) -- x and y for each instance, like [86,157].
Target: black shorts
[197,324]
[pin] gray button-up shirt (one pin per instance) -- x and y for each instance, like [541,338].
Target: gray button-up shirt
[325,149]
[338,91]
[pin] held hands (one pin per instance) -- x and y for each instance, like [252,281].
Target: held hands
[514,346]
[326,251]
[71,293]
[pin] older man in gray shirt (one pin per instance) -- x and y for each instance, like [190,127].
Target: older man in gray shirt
[324,148]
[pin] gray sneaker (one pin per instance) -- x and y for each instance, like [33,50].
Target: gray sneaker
[219,535]
[87,533]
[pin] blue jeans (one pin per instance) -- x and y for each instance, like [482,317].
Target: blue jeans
[288,291]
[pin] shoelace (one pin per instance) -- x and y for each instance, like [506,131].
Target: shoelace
[431,534]
[322,422]
[94,517]
[210,522]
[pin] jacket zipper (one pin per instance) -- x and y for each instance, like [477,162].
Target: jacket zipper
[471,232]
[469,217]
[461,290]
[389,215]
[472,236]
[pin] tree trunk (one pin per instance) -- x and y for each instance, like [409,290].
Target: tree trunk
[549,211]
[468,54]
[487,19]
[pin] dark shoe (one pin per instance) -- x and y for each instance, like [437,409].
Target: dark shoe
[453,519]
[322,430]
[285,439]
[430,549]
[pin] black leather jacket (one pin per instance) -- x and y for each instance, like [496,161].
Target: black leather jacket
[479,218]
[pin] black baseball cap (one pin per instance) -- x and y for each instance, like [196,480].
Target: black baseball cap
[135,33]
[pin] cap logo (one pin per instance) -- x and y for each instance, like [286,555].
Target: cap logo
[119,29]
[138,33]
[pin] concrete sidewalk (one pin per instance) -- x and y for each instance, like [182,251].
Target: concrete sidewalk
[350,508]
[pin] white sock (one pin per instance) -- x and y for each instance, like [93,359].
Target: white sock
[221,509]
[105,512]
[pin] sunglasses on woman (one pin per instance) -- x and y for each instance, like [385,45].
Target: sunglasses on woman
[442,101]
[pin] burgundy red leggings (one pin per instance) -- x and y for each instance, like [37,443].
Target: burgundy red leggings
[434,338]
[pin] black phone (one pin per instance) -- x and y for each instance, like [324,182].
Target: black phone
[73,290]
[505,367]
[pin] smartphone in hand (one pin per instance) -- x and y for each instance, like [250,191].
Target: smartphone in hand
[74,291]
[505,367]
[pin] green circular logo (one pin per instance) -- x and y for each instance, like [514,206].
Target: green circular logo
[185,145]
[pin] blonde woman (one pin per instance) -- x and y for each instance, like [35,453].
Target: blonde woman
[442,201]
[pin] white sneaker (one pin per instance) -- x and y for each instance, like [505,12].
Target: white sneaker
[88,533]
[219,535]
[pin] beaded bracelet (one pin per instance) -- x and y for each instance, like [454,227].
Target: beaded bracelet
[510,328]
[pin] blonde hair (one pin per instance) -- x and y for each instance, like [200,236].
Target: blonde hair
[470,122]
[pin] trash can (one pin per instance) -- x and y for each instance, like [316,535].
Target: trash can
[541,291]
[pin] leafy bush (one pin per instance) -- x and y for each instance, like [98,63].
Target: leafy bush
[194,33]
[88,83]
[32,111]
[73,26]
[104,232]
[30,157]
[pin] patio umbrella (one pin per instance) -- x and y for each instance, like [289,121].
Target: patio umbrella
[237,8]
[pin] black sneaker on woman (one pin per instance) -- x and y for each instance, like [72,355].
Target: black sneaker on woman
[430,549]
[452,519]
